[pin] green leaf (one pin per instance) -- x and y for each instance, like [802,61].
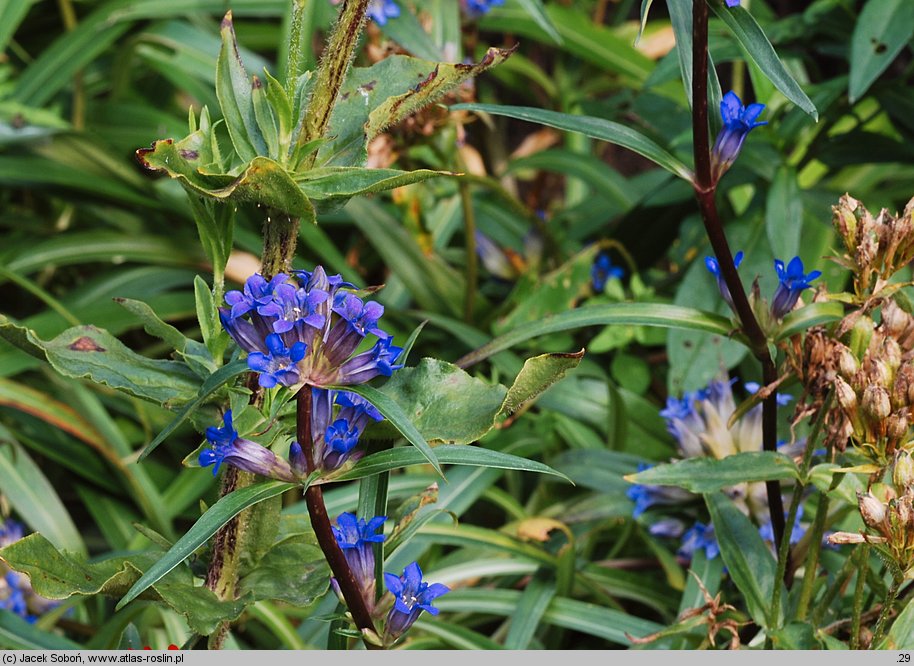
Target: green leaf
[233,88]
[213,383]
[12,12]
[266,119]
[784,214]
[294,570]
[339,184]
[533,604]
[611,625]
[645,10]
[376,97]
[650,314]
[263,180]
[751,565]
[537,12]
[17,634]
[814,314]
[408,32]
[33,497]
[206,526]
[458,637]
[882,30]
[703,475]
[57,575]
[596,128]
[748,32]
[447,454]
[537,375]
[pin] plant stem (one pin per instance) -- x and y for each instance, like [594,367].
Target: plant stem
[320,523]
[469,229]
[280,235]
[890,596]
[332,71]
[705,189]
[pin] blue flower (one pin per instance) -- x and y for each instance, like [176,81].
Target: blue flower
[699,537]
[714,268]
[305,331]
[732,3]
[12,595]
[411,596]
[379,360]
[278,366]
[602,270]
[792,281]
[356,537]
[10,532]
[480,7]
[335,436]
[738,121]
[257,293]
[783,399]
[227,447]
[381,10]
[295,307]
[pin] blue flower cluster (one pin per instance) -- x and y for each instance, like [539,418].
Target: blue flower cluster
[698,421]
[356,538]
[338,419]
[305,331]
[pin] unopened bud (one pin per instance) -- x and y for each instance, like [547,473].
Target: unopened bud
[872,510]
[847,362]
[903,472]
[904,513]
[876,403]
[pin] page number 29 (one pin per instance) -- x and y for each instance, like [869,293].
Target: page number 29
[904,658]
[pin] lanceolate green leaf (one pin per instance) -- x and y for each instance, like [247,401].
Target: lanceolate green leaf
[33,497]
[702,475]
[650,314]
[882,30]
[750,563]
[447,454]
[17,634]
[596,128]
[336,184]
[753,39]
[206,526]
[233,87]
[537,12]
[814,314]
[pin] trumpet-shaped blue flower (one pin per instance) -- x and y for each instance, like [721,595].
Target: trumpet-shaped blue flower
[738,121]
[714,268]
[295,307]
[277,366]
[227,447]
[602,270]
[792,282]
[412,595]
[257,293]
[355,538]
[381,10]
[335,436]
